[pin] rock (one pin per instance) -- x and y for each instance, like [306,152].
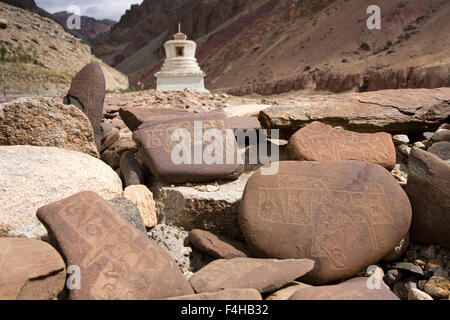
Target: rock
[354,289]
[129,211]
[393,111]
[177,162]
[419,145]
[48,123]
[400,139]
[143,198]
[265,275]
[131,171]
[116,261]
[428,135]
[31,177]
[30,270]
[111,158]
[243,123]
[135,116]
[320,142]
[441,149]
[408,267]
[227,295]
[3,23]
[428,252]
[286,293]
[218,246]
[118,123]
[174,240]
[392,276]
[110,139]
[87,90]
[307,210]
[443,133]
[438,287]
[405,150]
[208,207]
[400,290]
[123,144]
[416,294]
[398,250]
[428,189]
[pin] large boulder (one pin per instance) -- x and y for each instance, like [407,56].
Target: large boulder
[393,111]
[428,189]
[321,142]
[46,122]
[116,260]
[30,270]
[345,215]
[31,177]
[441,149]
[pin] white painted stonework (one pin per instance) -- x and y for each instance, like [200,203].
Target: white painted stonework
[180,70]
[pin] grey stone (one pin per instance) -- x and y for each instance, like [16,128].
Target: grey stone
[129,211]
[441,149]
[392,276]
[131,171]
[408,267]
[400,139]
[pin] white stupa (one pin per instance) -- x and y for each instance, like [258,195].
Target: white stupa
[180,70]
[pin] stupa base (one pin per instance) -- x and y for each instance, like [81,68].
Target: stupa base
[194,83]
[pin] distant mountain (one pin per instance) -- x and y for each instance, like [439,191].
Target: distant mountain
[29,5]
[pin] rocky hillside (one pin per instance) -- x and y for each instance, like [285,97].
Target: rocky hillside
[38,56]
[273,46]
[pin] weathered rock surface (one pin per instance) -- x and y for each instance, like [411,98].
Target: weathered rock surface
[143,198]
[88,88]
[393,111]
[218,246]
[441,149]
[46,122]
[443,133]
[265,275]
[129,211]
[135,116]
[354,289]
[309,209]
[31,177]
[428,189]
[130,170]
[438,287]
[286,293]
[30,270]
[416,294]
[320,142]
[230,294]
[110,139]
[115,259]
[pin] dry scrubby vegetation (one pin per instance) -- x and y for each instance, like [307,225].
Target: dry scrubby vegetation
[18,54]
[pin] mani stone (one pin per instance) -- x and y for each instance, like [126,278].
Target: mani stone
[354,289]
[117,262]
[195,159]
[428,189]
[30,270]
[227,295]
[135,116]
[218,246]
[265,275]
[345,215]
[321,142]
[87,91]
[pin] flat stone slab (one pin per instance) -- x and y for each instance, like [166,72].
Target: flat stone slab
[321,142]
[345,215]
[393,111]
[428,189]
[265,275]
[116,260]
[135,116]
[226,295]
[354,289]
[30,270]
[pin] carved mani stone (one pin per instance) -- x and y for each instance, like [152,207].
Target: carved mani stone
[354,289]
[194,148]
[30,270]
[345,215]
[227,295]
[116,260]
[321,142]
[428,189]
[265,275]
[87,91]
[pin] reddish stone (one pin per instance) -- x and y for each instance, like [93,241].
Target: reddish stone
[321,142]
[244,123]
[345,215]
[116,260]
[110,139]
[135,116]
[227,295]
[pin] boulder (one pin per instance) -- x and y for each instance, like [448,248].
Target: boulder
[179,150]
[443,133]
[143,198]
[218,246]
[46,122]
[3,23]
[310,209]
[354,289]
[116,260]
[87,90]
[428,189]
[227,295]
[31,177]
[441,149]
[129,211]
[393,111]
[265,275]
[130,169]
[320,142]
[30,270]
